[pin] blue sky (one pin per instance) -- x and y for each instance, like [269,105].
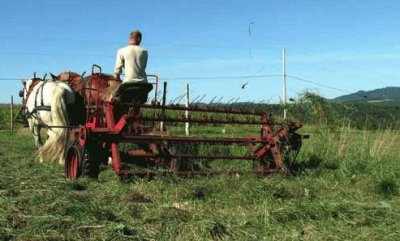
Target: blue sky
[348,45]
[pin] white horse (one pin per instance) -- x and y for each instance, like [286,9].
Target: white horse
[45,105]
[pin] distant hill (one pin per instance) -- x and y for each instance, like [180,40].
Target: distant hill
[387,95]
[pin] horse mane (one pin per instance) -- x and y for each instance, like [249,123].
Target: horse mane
[74,79]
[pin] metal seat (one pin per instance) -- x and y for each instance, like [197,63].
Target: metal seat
[133,92]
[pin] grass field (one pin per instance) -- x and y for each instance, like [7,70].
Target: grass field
[346,188]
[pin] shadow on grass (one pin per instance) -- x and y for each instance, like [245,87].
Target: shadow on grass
[138,198]
[218,231]
[313,162]
[199,193]
[387,187]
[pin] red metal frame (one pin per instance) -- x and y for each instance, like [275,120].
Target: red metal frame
[155,83]
[102,129]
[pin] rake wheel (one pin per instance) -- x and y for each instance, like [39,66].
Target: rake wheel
[290,148]
[180,164]
[73,162]
[264,165]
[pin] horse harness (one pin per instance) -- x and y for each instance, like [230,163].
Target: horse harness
[39,90]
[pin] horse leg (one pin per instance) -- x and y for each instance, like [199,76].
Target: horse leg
[35,129]
[38,137]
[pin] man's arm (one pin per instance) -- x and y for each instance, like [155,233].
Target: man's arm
[143,59]
[119,64]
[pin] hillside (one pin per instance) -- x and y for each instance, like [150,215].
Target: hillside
[387,95]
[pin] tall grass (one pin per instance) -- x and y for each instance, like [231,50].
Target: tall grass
[5,117]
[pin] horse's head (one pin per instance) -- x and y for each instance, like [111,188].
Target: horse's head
[22,91]
[26,86]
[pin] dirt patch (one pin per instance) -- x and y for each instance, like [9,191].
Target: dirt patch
[173,213]
[138,198]
[76,186]
[283,193]
[13,193]
[387,187]
[199,193]
[218,231]
[128,231]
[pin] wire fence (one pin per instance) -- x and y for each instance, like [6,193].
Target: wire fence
[250,77]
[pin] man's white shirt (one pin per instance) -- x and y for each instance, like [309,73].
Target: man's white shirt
[134,59]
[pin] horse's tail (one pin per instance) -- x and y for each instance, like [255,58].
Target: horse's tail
[58,132]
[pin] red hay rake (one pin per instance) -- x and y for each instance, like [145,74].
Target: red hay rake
[130,134]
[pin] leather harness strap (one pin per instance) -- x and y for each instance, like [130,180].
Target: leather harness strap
[42,107]
[29,91]
[40,89]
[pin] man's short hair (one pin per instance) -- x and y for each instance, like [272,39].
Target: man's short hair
[136,35]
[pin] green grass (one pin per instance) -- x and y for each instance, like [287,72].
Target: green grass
[346,188]
[5,117]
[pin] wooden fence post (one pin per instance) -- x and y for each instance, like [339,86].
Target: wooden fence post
[12,114]
[164,100]
[187,124]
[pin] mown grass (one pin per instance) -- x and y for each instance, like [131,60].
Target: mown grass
[345,187]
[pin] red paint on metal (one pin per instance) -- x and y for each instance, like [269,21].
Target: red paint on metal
[210,109]
[121,123]
[116,158]
[206,121]
[142,153]
[197,173]
[83,135]
[110,123]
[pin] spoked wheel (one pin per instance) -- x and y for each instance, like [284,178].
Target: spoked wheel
[73,162]
[264,165]
[181,164]
[290,147]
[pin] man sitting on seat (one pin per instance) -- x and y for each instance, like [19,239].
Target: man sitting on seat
[133,59]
